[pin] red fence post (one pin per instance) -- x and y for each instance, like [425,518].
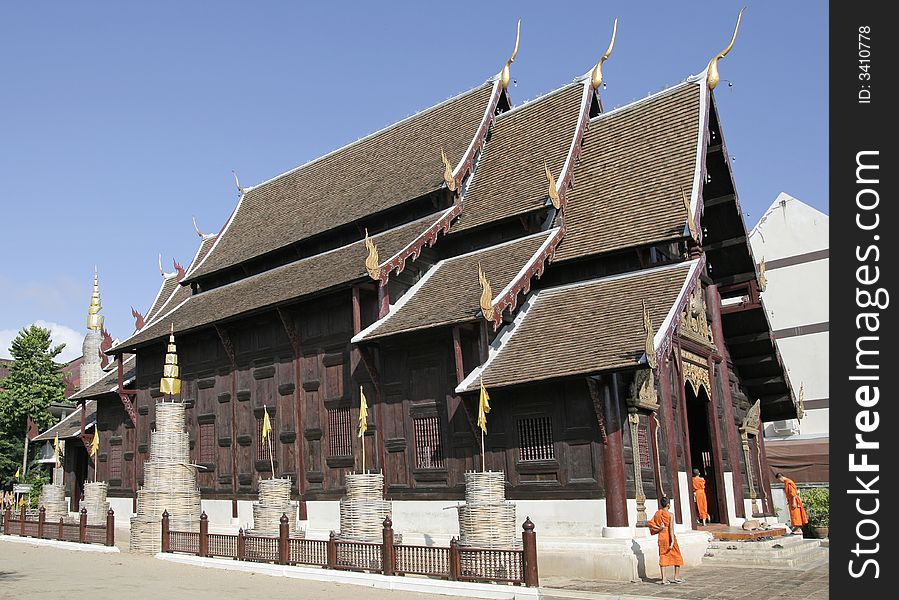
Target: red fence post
[241,545]
[455,561]
[203,547]
[22,521]
[82,526]
[62,530]
[110,527]
[529,554]
[6,520]
[284,540]
[332,551]
[166,542]
[41,518]
[388,556]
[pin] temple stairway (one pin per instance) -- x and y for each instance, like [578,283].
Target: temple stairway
[788,552]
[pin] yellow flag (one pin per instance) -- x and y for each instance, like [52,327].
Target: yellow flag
[95,443]
[18,473]
[483,408]
[266,425]
[56,448]
[363,413]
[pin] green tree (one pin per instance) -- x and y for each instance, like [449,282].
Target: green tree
[33,382]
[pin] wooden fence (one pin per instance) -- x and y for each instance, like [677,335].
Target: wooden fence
[514,566]
[19,524]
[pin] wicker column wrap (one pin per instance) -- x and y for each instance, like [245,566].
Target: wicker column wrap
[170,483]
[274,500]
[53,499]
[486,520]
[363,509]
[95,502]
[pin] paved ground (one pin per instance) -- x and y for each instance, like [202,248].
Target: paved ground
[709,583]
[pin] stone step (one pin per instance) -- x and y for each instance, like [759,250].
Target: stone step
[786,541]
[774,553]
[796,557]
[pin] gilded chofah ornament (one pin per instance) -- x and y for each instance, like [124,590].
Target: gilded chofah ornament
[94,318]
[486,295]
[170,384]
[506,75]
[763,280]
[649,346]
[713,77]
[800,411]
[596,75]
[553,190]
[448,172]
[691,221]
[372,261]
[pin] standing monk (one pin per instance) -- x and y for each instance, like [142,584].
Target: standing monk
[702,504]
[662,523]
[798,516]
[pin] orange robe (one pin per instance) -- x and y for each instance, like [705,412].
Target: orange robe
[798,516]
[702,504]
[660,523]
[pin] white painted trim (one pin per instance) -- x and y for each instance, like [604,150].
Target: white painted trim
[580,126]
[485,118]
[672,312]
[704,94]
[219,238]
[527,265]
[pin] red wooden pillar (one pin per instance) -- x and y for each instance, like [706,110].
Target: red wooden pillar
[82,526]
[682,398]
[713,303]
[388,560]
[22,521]
[241,544]
[717,446]
[110,527]
[60,534]
[6,518]
[203,546]
[383,300]
[670,439]
[613,457]
[765,480]
[283,540]
[529,554]
[332,551]
[455,560]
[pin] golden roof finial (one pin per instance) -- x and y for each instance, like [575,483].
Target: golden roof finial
[691,221]
[649,346]
[506,75]
[801,411]
[486,295]
[196,228]
[170,384]
[372,262]
[596,76]
[448,172]
[553,192]
[237,182]
[713,77]
[763,281]
[94,318]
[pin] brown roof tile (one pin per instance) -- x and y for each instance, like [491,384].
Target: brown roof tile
[449,292]
[70,426]
[510,179]
[109,382]
[582,328]
[171,292]
[380,171]
[282,284]
[627,186]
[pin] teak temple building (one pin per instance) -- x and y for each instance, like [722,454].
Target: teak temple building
[591,268]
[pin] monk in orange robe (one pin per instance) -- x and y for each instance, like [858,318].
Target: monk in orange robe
[798,516]
[662,523]
[702,504]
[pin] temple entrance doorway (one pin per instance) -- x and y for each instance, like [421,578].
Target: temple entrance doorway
[702,448]
[79,468]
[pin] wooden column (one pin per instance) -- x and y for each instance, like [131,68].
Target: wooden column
[203,545]
[717,447]
[296,344]
[613,457]
[713,303]
[388,560]
[682,398]
[765,481]
[110,527]
[383,300]
[457,355]
[670,439]
[529,554]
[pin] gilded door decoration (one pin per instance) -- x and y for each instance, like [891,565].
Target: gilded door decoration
[750,426]
[655,453]
[694,325]
[643,391]
[696,372]
[633,420]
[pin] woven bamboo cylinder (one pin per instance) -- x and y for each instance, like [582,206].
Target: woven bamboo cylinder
[53,499]
[274,501]
[486,520]
[170,482]
[363,509]
[95,502]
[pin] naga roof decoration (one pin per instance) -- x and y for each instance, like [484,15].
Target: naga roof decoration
[506,73]
[596,73]
[562,322]
[712,77]
[691,220]
[486,299]
[371,261]
[649,349]
[138,318]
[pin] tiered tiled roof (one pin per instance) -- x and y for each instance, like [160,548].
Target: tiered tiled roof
[109,383]
[70,426]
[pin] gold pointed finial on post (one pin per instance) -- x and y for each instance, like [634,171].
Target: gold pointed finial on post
[170,384]
[691,221]
[506,75]
[94,318]
[372,261]
[713,77]
[553,192]
[763,280]
[596,75]
[487,308]
[237,182]
[448,172]
[196,228]
[649,346]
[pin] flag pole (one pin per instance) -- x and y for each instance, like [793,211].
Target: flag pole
[483,455]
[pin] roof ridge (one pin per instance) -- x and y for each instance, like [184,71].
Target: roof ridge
[689,81]
[540,98]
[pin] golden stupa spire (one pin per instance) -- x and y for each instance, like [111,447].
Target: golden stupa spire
[713,77]
[553,191]
[506,75]
[94,318]
[649,346]
[170,384]
[486,299]
[596,75]
[372,261]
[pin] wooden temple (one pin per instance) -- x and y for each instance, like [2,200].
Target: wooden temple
[591,268]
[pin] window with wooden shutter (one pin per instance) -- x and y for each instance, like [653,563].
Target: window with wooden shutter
[535,438]
[207,443]
[115,462]
[428,452]
[340,432]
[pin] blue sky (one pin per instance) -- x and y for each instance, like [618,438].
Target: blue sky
[119,121]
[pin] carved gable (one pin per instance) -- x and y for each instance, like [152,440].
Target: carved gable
[694,325]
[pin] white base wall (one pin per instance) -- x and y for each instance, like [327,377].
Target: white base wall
[123,510]
[686,498]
